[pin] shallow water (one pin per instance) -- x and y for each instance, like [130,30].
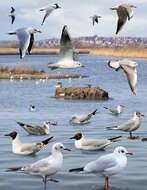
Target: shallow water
[15,98]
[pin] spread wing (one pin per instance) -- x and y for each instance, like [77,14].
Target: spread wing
[47,13]
[12,10]
[114,65]
[31,43]
[66,48]
[130,11]
[12,19]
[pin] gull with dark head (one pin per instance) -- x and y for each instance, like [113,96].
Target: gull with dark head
[107,165]
[37,130]
[124,12]
[115,111]
[129,126]
[12,15]
[46,167]
[83,143]
[48,10]
[26,39]
[26,148]
[82,119]
[129,68]
[67,60]
[95,19]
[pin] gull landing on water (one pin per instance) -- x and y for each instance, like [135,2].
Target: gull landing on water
[46,167]
[26,39]
[129,68]
[49,10]
[124,12]
[67,60]
[84,143]
[12,15]
[95,19]
[130,125]
[107,165]
[26,148]
[115,111]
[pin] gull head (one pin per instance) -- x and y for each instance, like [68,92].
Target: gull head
[59,147]
[33,30]
[120,150]
[12,135]
[139,114]
[78,64]
[121,105]
[132,6]
[77,136]
[57,6]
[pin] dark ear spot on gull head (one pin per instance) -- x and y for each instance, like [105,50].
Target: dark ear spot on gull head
[12,135]
[57,6]
[140,114]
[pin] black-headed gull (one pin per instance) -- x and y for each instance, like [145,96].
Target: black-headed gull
[129,68]
[37,130]
[124,12]
[26,39]
[32,108]
[49,10]
[82,119]
[95,19]
[12,15]
[46,167]
[67,60]
[84,143]
[26,148]
[129,126]
[107,165]
[115,111]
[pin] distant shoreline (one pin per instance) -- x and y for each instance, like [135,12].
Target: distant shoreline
[115,52]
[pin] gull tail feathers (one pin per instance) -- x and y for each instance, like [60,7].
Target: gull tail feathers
[14,169]
[46,141]
[76,170]
[114,139]
[112,128]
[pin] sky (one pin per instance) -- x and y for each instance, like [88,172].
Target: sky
[75,14]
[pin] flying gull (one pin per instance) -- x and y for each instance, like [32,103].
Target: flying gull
[130,125]
[95,19]
[26,39]
[129,68]
[46,167]
[82,119]
[12,15]
[49,10]
[26,148]
[106,165]
[115,111]
[37,130]
[84,143]
[67,60]
[124,12]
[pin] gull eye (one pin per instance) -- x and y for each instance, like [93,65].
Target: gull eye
[61,147]
[122,151]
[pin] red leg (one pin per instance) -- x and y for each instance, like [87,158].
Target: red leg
[44,181]
[107,186]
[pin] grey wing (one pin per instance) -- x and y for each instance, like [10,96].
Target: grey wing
[93,20]
[126,126]
[101,164]
[66,48]
[122,18]
[129,11]
[47,13]
[33,147]
[85,118]
[131,73]
[31,43]
[37,130]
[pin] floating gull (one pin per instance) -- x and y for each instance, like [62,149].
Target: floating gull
[84,143]
[129,126]
[49,10]
[46,167]
[82,119]
[37,130]
[129,68]
[115,111]
[124,12]
[107,165]
[12,15]
[32,108]
[26,39]
[26,148]
[67,60]
[95,19]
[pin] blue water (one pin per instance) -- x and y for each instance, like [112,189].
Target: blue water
[15,98]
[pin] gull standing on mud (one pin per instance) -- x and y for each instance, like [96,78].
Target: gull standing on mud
[37,130]
[26,39]
[107,165]
[129,126]
[67,60]
[12,15]
[115,111]
[124,12]
[49,10]
[84,143]
[82,119]
[129,68]
[95,19]
[26,148]
[46,167]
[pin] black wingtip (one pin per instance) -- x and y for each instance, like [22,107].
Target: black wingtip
[113,139]
[46,141]
[94,112]
[76,170]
